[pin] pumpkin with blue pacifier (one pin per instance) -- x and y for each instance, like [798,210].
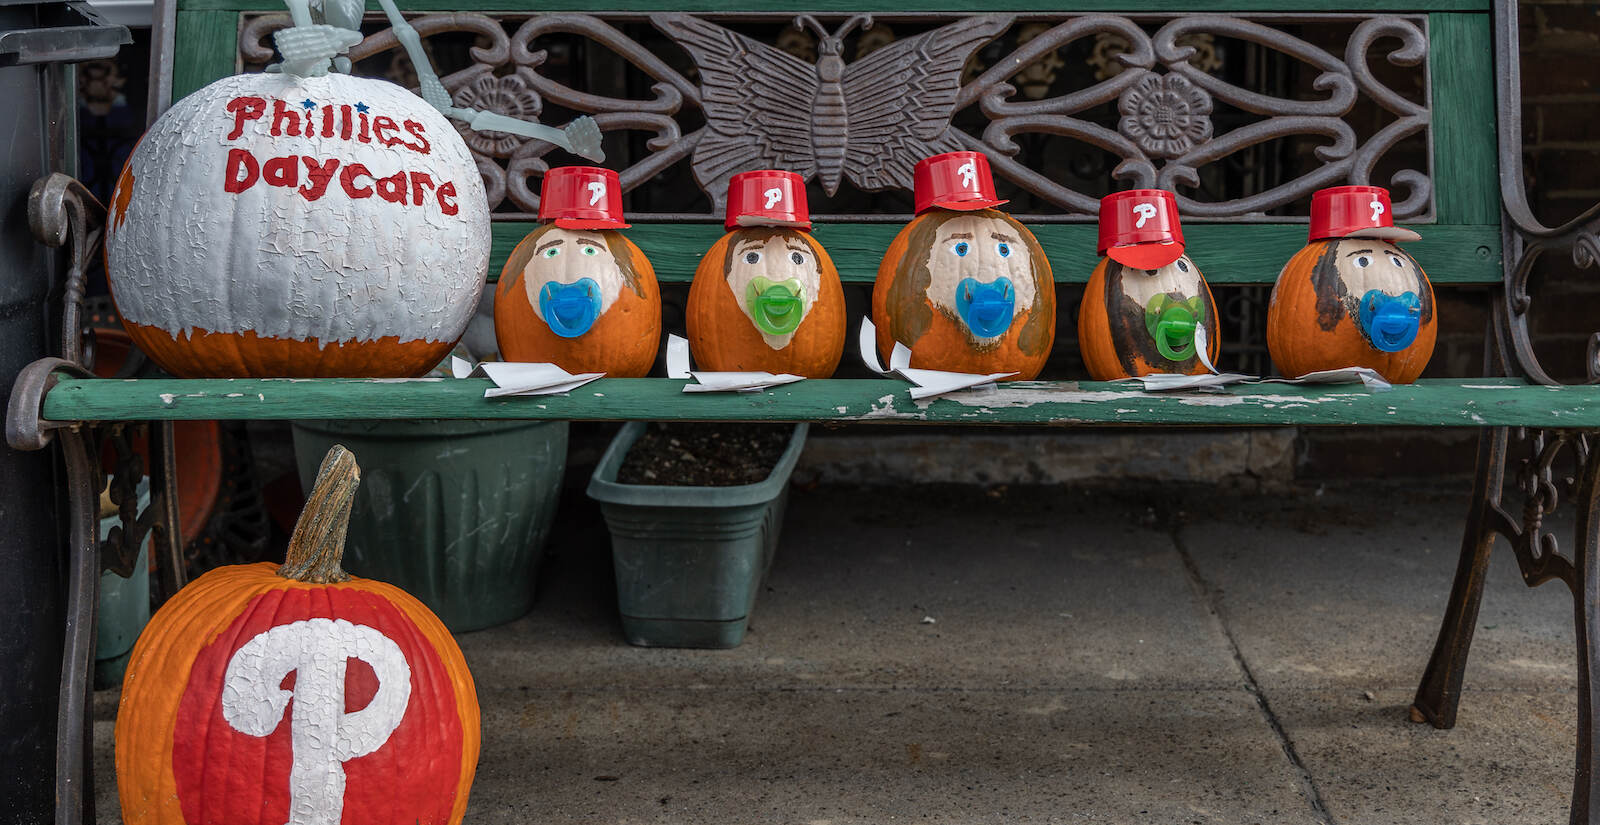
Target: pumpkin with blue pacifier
[1352,297]
[965,286]
[575,292]
[766,297]
[1146,303]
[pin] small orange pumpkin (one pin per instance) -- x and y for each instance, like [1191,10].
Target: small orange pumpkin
[260,690]
[967,291]
[767,299]
[1136,322]
[1315,318]
[624,333]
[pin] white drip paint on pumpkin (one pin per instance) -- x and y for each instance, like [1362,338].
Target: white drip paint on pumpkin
[373,225]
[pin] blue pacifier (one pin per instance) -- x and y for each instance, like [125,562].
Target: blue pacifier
[1390,322]
[986,308]
[570,309]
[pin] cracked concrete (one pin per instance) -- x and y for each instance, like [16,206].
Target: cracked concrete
[1173,655]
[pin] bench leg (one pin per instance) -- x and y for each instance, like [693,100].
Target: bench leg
[1440,690]
[1586,598]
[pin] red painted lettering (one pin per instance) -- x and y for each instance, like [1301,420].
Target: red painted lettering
[317,177]
[327,121]
[393,188]
[346,121]
[242,171]
[382,128]
[243,109]
[447,194]
[284,171]
[347,179]
[416,130]
[284,120]
[420,181]
[363,135]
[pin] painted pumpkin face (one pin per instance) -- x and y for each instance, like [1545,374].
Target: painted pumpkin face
[1352,302]
[767,299]
[585,300]
[1137,322]
[967,292]
[272,226]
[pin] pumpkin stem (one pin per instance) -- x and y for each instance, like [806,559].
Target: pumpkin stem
[317,545]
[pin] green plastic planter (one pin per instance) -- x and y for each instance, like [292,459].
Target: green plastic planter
[690,560]
[455,513]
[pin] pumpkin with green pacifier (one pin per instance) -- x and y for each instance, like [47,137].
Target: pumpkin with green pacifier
[1147,303]
[766,297]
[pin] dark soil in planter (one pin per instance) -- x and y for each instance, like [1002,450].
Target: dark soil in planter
[705,455]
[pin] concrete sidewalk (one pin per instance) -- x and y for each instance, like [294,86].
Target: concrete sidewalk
[963,655]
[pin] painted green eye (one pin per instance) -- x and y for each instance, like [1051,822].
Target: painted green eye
[589,250]
[552,252]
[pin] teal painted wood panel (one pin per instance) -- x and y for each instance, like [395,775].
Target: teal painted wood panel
[1429,403]
[1226,253]
[205,43]
[858,6]
[1466,170]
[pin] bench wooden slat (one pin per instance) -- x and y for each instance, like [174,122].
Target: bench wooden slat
[1226,253]
[1472,402]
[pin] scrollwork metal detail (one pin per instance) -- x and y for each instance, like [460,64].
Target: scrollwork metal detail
[869,119]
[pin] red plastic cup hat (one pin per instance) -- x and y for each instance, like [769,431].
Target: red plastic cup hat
[767,197]
[1139,228]
[1355,212]
[954,180]
[582,197]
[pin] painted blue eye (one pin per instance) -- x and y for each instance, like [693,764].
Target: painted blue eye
[1004,249]
[960,249]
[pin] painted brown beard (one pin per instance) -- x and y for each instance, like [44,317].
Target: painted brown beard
[1126,318]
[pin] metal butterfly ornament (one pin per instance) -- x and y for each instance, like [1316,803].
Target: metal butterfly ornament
[830,120]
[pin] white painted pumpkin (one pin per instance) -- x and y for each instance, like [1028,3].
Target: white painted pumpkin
[270,225]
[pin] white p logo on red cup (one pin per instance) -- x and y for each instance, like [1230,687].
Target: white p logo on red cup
[1145,211]
[772,195]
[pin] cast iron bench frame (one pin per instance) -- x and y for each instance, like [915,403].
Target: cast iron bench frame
[1480,235]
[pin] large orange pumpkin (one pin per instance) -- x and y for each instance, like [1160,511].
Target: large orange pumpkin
[1353,302]
[1136,322]
[767,300]
[269,225]
[614,329]
[967,292]
[261,695]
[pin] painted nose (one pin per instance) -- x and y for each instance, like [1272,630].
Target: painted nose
[776,308]
[1390,322]
[570,309]
[986,308]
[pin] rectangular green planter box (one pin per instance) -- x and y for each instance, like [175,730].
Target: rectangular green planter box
[690,560]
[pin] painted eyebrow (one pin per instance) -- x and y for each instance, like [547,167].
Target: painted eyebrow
[592,243]
[1000,237]
[1360,252]
[798,247]
[547,244]
[965,236]
[750,242]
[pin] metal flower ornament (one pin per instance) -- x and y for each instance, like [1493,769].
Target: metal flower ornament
[324,30]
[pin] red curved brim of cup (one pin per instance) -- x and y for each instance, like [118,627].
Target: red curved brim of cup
[1146,255]
[972,205]
[757,220]
[1393,234]
[589,223]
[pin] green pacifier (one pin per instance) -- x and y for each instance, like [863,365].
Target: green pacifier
[1172,324]
[776,308]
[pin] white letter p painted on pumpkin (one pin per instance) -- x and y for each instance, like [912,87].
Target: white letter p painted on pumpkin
[322,734]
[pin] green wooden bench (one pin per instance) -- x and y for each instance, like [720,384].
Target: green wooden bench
[1461,187]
